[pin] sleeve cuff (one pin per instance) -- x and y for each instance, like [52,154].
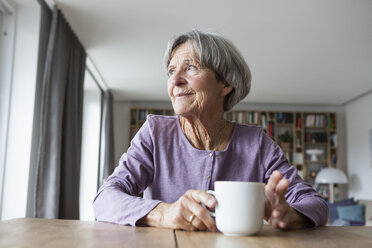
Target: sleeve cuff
[144,211]
[314,209]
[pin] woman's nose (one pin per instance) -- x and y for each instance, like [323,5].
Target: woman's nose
[178,79]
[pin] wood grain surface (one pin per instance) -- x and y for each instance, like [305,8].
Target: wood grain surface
[73,233]
[327,237]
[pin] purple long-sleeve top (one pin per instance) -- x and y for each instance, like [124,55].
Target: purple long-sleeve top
[163,164]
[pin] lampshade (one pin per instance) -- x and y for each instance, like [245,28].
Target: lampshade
[331,175]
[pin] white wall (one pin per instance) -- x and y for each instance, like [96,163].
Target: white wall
[21,110]
[358,126]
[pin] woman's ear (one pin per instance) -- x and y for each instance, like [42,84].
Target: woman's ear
[226,89]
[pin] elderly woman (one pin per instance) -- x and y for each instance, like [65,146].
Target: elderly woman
[174,160]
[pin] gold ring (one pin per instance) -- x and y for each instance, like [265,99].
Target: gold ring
[191,218]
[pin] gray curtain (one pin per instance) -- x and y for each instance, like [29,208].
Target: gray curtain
[107,138]
[57,130]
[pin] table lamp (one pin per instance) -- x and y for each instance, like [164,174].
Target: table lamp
[331,176]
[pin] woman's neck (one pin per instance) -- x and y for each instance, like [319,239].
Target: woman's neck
[210,133]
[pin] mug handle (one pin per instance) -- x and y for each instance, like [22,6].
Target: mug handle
[211,192]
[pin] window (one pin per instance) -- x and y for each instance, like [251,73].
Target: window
[2,114]
[7,30]
[90,146]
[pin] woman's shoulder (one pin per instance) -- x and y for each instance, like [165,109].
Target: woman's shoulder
[253,136]
[251,130]
[156,126]
[162,122]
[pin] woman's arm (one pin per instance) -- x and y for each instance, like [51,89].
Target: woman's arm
[277,210]
[286,189]
[117,200]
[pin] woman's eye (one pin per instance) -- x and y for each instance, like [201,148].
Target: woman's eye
[192,67]
[170,72]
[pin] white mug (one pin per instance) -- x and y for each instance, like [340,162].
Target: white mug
[240,207]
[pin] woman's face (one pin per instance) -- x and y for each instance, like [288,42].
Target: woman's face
[192,89]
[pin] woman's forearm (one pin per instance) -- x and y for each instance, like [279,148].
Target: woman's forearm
[155,217]
[114,205]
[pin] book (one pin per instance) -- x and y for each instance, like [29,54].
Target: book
[255,117]
[263,121]
[334,140]
[333,159]
[271,130]
[299,122]
[240,117]
[310,120]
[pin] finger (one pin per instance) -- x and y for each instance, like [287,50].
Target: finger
[284,220]
[187,226]
[277,223]
[282,224]
[273,180]
[193,223]
[184,215]
[277,220]
[274,222]
[282,187]
[281,216]
[202,196]
[193,207]
[281,210]
[270,189]
[203,215]
[268,207]
[275,214]
[184,222]
[196,222]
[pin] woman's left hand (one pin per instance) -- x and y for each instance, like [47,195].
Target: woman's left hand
[278,212]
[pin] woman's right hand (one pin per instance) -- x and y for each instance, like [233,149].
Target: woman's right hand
[186,213]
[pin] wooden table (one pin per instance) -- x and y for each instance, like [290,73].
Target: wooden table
[71,233]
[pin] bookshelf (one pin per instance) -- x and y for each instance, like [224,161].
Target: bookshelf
[296,133]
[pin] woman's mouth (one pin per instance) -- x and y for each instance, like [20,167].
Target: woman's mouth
[181,95]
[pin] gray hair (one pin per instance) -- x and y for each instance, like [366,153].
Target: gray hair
[221,56]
